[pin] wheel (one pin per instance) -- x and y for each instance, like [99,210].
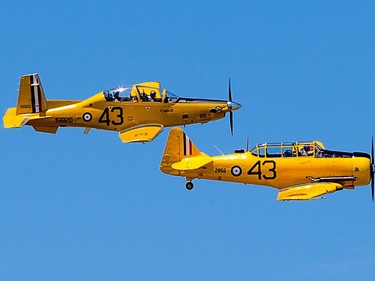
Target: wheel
[189,185]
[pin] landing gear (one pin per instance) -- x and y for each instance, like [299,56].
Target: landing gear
[189,185]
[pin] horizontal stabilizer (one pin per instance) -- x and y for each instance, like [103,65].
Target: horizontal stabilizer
[308,191]
[142,133]
[12,120]
[192,163]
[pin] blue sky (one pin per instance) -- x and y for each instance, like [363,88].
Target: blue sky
[87,207]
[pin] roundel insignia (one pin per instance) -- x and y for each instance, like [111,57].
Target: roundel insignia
[87,117]
[236,171]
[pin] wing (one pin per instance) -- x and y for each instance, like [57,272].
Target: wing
[142,133]
[308,191]
[192,163]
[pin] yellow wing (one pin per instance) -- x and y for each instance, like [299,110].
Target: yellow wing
[142,133]
[308,191]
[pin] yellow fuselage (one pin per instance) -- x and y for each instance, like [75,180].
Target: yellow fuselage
[282,172]
[98,113]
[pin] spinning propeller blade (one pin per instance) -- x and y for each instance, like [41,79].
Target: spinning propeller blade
[230,110]
[230,92]
[372,169]
[232,106]
[231,122]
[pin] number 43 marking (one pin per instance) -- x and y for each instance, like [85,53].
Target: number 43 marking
[118,120]
[269,166]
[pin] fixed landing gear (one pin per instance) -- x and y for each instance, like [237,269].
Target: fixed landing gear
[189,185]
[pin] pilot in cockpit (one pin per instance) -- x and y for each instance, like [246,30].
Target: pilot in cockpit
[152,95]
[116,96]
[307,150]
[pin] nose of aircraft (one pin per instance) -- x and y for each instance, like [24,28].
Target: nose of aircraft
[233,106]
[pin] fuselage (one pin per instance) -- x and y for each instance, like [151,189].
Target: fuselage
[348,169]
[97,112]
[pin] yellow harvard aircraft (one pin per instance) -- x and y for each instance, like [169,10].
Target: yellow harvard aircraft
[138,112]
[300,170]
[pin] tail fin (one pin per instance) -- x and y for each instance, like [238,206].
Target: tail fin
[31,98]
[178,147]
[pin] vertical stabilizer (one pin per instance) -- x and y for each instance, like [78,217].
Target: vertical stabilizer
[31,98]
[178,147]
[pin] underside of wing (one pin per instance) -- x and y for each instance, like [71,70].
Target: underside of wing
[308,191]
[192,163]
[142,133]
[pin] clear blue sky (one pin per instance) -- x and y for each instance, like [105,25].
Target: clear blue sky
[87,207]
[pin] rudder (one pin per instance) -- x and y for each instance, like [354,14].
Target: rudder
[31,98]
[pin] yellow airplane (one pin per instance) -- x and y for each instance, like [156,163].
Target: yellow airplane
[138,112]
[300,170]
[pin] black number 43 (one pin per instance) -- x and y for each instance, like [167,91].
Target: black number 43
[268,167]
[119,119]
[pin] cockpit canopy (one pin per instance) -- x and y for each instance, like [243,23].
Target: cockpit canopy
[289,149]
[144,92]
[299,149]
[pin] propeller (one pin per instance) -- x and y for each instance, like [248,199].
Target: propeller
[372,169]
[232,106]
